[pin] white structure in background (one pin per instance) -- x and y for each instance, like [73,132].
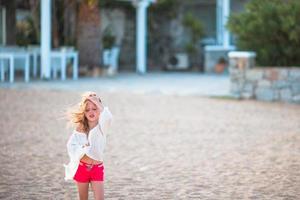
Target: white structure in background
[141,34]
[112,22]
[45,38]
[15,58]
[223,11]
[47,55]
[214,52]
[141,20]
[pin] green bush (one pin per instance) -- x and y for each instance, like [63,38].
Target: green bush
[25,33]
[196,28]
[108,39]
[271,28]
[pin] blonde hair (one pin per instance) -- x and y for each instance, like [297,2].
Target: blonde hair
[76,115]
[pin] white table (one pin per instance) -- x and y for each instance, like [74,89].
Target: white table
[11,56]
[35,52]
[64,55]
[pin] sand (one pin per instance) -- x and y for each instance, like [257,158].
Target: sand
[160,147]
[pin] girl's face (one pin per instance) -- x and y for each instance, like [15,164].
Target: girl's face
[91,112]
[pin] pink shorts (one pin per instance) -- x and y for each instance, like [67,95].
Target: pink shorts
[86,172]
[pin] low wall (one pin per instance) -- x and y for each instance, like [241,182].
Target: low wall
[264,83]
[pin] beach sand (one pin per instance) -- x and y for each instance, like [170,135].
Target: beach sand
[160,147]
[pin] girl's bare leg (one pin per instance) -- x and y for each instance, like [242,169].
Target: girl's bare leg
[83,189]
[98,189]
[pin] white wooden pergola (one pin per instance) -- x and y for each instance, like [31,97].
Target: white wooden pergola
[223,36]
[141,19]
[141,33]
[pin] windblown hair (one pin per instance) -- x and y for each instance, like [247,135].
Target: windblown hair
[76,113]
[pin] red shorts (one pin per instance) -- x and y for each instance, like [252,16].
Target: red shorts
[86,172]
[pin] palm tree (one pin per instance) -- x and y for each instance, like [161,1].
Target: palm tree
[89,33]
[10,21]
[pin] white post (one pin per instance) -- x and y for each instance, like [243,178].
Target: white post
[141,20]
[223,11]
[226,12]
[45,38]
[219,23]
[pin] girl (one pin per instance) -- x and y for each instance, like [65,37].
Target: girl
[86,145]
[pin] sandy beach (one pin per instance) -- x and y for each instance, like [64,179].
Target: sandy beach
[160,147]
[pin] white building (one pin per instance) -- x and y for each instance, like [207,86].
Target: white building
[214,14]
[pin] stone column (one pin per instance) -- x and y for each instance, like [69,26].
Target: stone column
[239,63]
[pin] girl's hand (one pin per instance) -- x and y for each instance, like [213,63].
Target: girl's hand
[96,100]
[86,145]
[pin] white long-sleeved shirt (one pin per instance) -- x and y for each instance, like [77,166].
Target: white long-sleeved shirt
[97,140]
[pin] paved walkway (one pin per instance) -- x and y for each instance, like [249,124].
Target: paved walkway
[180,83]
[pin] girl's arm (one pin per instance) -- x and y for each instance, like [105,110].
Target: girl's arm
[75,150]
[105,120]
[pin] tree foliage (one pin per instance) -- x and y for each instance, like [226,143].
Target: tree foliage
[196,29]
[271,28]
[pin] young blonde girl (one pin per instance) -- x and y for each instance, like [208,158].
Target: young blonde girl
[86,145]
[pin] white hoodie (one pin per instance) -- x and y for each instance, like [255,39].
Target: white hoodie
[97,140]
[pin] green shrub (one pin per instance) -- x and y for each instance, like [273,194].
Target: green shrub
[108,39]
[196,29]
[271,28]
[25,32]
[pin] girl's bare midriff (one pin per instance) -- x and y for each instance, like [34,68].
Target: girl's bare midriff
[89,160]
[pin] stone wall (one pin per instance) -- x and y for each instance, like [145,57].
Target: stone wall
[264,83]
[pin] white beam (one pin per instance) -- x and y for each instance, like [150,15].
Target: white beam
[223,12]
[219,24]
[141,37]
[226,12]
[141,34]
[45,38]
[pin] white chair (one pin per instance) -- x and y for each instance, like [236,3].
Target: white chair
[60,59]
[35,53]
[111,60]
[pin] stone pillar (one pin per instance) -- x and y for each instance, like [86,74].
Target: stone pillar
[46,38]
[239,63]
